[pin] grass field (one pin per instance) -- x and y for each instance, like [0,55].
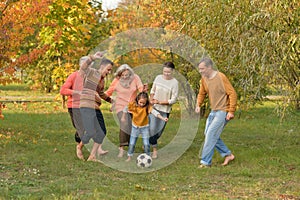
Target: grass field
[38,161]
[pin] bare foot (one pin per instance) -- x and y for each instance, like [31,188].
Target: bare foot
[154,154]
[79,153]
[121,152]
[228,159]
[128,159]
[93,159]
[101,152]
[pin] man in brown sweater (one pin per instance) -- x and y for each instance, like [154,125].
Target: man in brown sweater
[90,101]
[222,98]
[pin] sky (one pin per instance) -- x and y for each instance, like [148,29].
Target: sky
[109,4]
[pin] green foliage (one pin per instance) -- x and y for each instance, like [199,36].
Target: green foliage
[256,43]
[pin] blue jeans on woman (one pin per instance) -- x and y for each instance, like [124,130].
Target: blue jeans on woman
[215,124]
[135,132]
[157,127]
[94,125]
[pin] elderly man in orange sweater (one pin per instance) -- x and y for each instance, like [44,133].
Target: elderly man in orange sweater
[222,98]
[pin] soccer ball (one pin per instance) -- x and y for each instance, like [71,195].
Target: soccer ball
[143,161]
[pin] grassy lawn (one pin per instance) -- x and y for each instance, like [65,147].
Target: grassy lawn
[38,161]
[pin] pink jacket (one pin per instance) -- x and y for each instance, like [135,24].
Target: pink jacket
[73,83]
[124,95]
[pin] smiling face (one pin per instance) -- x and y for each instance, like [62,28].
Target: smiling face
[125,75]
[204,70]
[142,102]
[167,73]
[106,70]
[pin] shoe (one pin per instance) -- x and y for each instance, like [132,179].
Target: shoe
[204,166]
[79,153]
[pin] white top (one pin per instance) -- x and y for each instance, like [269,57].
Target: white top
[164,90]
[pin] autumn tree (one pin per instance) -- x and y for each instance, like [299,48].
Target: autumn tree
[67,32]
[18,25]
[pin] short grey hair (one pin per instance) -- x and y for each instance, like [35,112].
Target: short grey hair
[207,62]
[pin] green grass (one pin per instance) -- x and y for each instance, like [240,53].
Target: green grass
[38,161]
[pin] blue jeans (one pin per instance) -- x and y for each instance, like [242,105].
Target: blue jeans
[215,124]
[135,131]
[94,125]
[157,127]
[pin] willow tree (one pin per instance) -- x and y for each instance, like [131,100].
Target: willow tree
[255,42]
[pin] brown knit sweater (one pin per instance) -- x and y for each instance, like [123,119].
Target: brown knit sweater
[93,88]
[222,95]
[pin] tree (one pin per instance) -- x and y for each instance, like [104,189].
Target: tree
[18,25]
[256,43]
[65,31]
[47,38]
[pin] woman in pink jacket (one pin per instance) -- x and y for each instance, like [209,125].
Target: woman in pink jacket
[125,85]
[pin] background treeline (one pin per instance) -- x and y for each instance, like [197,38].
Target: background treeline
[256,43]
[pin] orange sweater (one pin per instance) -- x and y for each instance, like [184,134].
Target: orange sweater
[140,114]
[222,95]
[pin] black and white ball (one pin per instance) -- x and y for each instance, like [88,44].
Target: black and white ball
[143,160]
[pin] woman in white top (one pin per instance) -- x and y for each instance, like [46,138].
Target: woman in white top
[163,95]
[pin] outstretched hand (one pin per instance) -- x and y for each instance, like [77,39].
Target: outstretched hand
[99,54]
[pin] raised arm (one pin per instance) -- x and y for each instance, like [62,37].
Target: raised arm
[85,61]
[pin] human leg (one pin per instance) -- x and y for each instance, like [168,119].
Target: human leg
[214,127]
[76,135]
[224,151]
[93,152]
[222,148]
[145,136]
[156,127]
[100,132]
[78,122]
[88,119]
[124,133]
[79,150]
[133,138]
[74,113]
